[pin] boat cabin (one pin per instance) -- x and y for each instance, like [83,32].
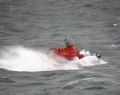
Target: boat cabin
[69,52]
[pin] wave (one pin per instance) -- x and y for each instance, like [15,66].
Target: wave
[18,58]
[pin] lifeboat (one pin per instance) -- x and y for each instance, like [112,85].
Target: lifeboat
[69,52]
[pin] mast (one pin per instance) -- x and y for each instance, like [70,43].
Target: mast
[67,43]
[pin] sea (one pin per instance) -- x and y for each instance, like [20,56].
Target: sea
[29,28]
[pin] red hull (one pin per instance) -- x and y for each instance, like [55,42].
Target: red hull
[69,52]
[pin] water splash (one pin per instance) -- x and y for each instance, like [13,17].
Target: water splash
[114,45]
[23,59]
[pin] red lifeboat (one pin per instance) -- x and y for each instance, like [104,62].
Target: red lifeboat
[69,52]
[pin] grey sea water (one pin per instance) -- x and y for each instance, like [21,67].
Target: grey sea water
[28,27]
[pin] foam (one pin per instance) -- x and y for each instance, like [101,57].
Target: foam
[19,58]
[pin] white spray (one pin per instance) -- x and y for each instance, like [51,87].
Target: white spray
[23,59]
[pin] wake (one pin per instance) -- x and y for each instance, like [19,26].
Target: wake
[23,59]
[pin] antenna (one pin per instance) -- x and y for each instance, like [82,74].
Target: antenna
[65,40]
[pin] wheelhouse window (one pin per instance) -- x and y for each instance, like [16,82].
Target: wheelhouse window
[73,52]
